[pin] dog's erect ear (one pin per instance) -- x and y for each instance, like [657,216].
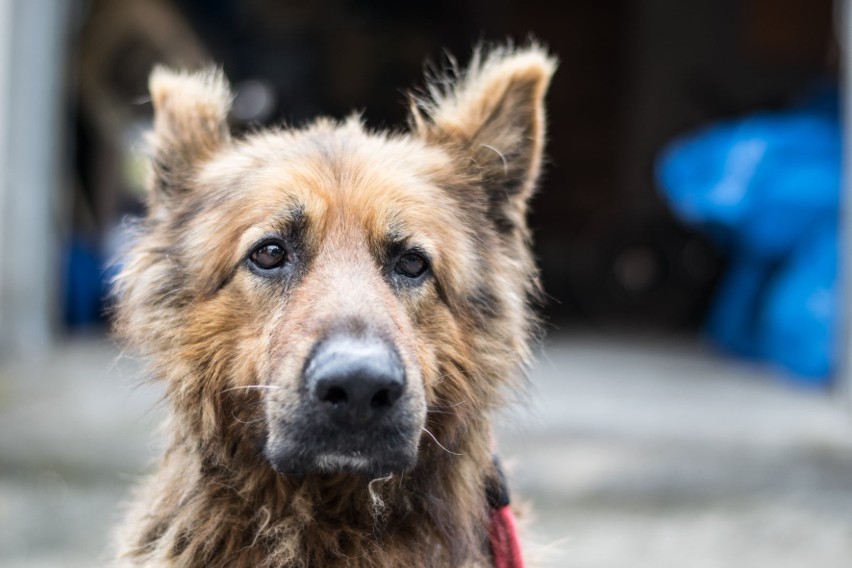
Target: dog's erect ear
[190,125]
[493,112]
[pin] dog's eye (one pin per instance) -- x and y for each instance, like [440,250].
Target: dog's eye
[412,265]
[269,255]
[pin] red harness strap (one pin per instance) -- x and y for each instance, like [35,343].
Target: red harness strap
[505,548]
[502,530]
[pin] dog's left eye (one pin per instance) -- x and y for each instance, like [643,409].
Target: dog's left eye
[269,255]
[412,265]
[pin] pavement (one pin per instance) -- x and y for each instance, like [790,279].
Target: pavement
[652,453]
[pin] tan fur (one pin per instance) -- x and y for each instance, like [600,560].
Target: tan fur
[458,183]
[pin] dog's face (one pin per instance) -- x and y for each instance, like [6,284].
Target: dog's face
[328,241]
[324,293]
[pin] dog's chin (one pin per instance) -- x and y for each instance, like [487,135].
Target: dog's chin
[315,445]
[334,463]
[308,448]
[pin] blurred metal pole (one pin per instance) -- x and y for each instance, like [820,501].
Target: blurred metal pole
[5,61]
[843,30]
[33,42]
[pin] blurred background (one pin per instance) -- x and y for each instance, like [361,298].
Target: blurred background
[690,406]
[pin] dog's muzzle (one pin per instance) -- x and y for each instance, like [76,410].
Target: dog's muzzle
[356,412]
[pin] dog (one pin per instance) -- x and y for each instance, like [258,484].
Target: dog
[335,314]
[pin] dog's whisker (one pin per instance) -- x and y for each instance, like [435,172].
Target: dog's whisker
[246,422]
[440,378]
[249,387]
[444,409]
[445,406]
[431,435]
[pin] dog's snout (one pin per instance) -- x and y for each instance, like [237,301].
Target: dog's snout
[355,380]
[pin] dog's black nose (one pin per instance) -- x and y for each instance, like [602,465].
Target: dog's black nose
[355,380]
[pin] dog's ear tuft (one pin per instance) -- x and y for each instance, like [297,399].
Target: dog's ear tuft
[492,112]
[190,124]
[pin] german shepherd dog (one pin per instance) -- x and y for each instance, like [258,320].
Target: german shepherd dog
[335,314]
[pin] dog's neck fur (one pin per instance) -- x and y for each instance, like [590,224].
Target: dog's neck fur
[231,511]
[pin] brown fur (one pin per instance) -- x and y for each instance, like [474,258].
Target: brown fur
[458,182]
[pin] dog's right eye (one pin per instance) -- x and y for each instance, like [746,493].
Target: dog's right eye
[269,255]
[412,265]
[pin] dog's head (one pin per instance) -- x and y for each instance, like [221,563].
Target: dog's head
[328,295]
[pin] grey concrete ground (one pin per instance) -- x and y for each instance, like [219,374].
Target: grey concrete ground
[628,454]
[662,455]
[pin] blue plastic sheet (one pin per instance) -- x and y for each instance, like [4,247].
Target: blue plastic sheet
[85,283]
[766,188]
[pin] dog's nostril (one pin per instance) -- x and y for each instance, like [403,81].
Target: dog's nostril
[335,395]
[386,396]
[380,399]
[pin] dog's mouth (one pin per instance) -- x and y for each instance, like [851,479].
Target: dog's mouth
[369,454]
[354,463]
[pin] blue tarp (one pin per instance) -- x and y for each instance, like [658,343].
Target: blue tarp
[766,189]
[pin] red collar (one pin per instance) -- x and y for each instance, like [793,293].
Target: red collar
[502,530]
